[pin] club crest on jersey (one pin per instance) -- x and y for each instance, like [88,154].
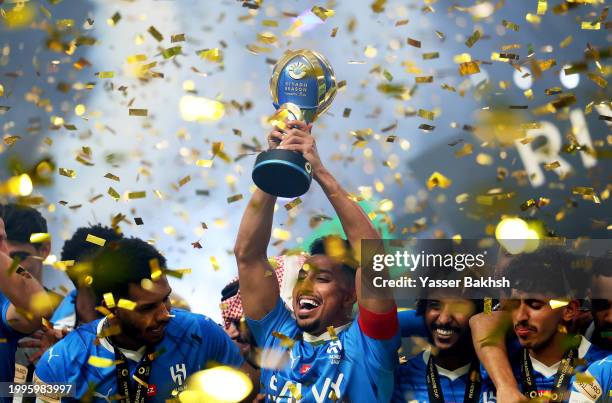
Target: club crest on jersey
[178,373]
[334,349]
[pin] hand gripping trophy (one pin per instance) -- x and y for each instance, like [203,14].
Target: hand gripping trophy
[303,84]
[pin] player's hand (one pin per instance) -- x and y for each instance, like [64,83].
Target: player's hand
[510,395]
[43,340]
[299,139]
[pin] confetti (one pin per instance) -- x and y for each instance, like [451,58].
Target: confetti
[286,341]
[69,173]
[114,194]
[100,362]
[212,55]
[322,12]
[293,203]
[426,128]
[214,263]
[171,52]
[468,68]
[473,39]
[40,237]
[177,38]
[183,181]
[204,163]
[138,221]
[109,300]
[424,80]
[234,198]
[112,177]
[414,42]
[438,180]
[510,25]
[139,112]
[137,195]
[542,7]
[425,114]
[126,304]
[106,74]
[95,240]
[155,33]
[156,271]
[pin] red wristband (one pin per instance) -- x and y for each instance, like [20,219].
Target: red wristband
[380,326]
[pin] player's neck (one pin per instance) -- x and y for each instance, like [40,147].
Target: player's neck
[85,306]
[553,351]
[455,357]
[601,341]
[123,339]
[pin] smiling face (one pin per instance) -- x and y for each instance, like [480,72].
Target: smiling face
[447,320]
[323,295]
[147,322]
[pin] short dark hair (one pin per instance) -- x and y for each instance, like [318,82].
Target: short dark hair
[20,222]
[77,248]
[122,262]
[319,247]
[602,266]
[551,270]
[230,290]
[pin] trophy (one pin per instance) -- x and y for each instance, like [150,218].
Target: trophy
[303,84]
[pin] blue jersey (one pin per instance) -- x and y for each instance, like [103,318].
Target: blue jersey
[352,366]
[412,324]
[598,386]
[191,342]
[64,315]
[543,374]
[8,345]
[411,386]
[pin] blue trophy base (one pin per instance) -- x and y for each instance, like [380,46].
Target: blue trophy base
[282,173]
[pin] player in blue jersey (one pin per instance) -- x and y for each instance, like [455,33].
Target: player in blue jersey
[543,356]
[448,370]
[332,356]
[17,288]
[595,385]
[142,347]
[600,330]
[78,307]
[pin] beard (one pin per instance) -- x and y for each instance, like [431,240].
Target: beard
[309,326]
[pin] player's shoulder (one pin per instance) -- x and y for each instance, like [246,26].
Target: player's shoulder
[602,366]
[593,353]
[188,321]
[82,336]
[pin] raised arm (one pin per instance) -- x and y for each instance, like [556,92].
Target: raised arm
[20,287]
[355,221]
[489,338]
[259,288]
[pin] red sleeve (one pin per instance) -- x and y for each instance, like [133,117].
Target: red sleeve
[380,326]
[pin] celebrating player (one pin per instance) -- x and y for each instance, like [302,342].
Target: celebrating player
[143,347]
[543,357]
[333,357]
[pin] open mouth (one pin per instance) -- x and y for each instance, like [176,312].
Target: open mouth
[307,304]
[444,332]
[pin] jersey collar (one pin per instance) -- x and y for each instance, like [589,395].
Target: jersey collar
[547,371]
[452,375]
[309,338]
[134,355]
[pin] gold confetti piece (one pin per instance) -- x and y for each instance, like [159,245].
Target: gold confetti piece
[322,12]
[114,194]
[293,203]
[114,19]
[401,22]
[136,58]
[467,149]
[597,79]
[425,114]
[112,177]
[109,300]
[106,74]
[438,180]
[484,159]
[295,392]
[204,163]
[95,240]
[234,198]
[171,52]
[286,341]
[334,32]
[426,128]
[100,362]
[214,263]
[424,80]
[346,113]
[414,42]
[212,55]
[109,331]
[137,195]
[528,93]
[588,25]
[473,39]
[40,237]
[488,305]
[267,37]
[510,25]
[1,90]
[183,181]
[177,38]
[554,303]
[156,271]
[468,68]
[431,55]
[332,332]
[269,23]
[566,42]
[378,6]
[281,234]
[126,304]
[552,165]
[139,112]
[542,7]
[155,33]
[388,75]
[67,172]
[585,377]
[532,18]
[81,64]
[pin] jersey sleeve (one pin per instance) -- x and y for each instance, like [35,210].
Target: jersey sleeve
[411,324]
[380,326]
[595,385]
[219,347]
[277,320]
[4,306]
[51,366]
